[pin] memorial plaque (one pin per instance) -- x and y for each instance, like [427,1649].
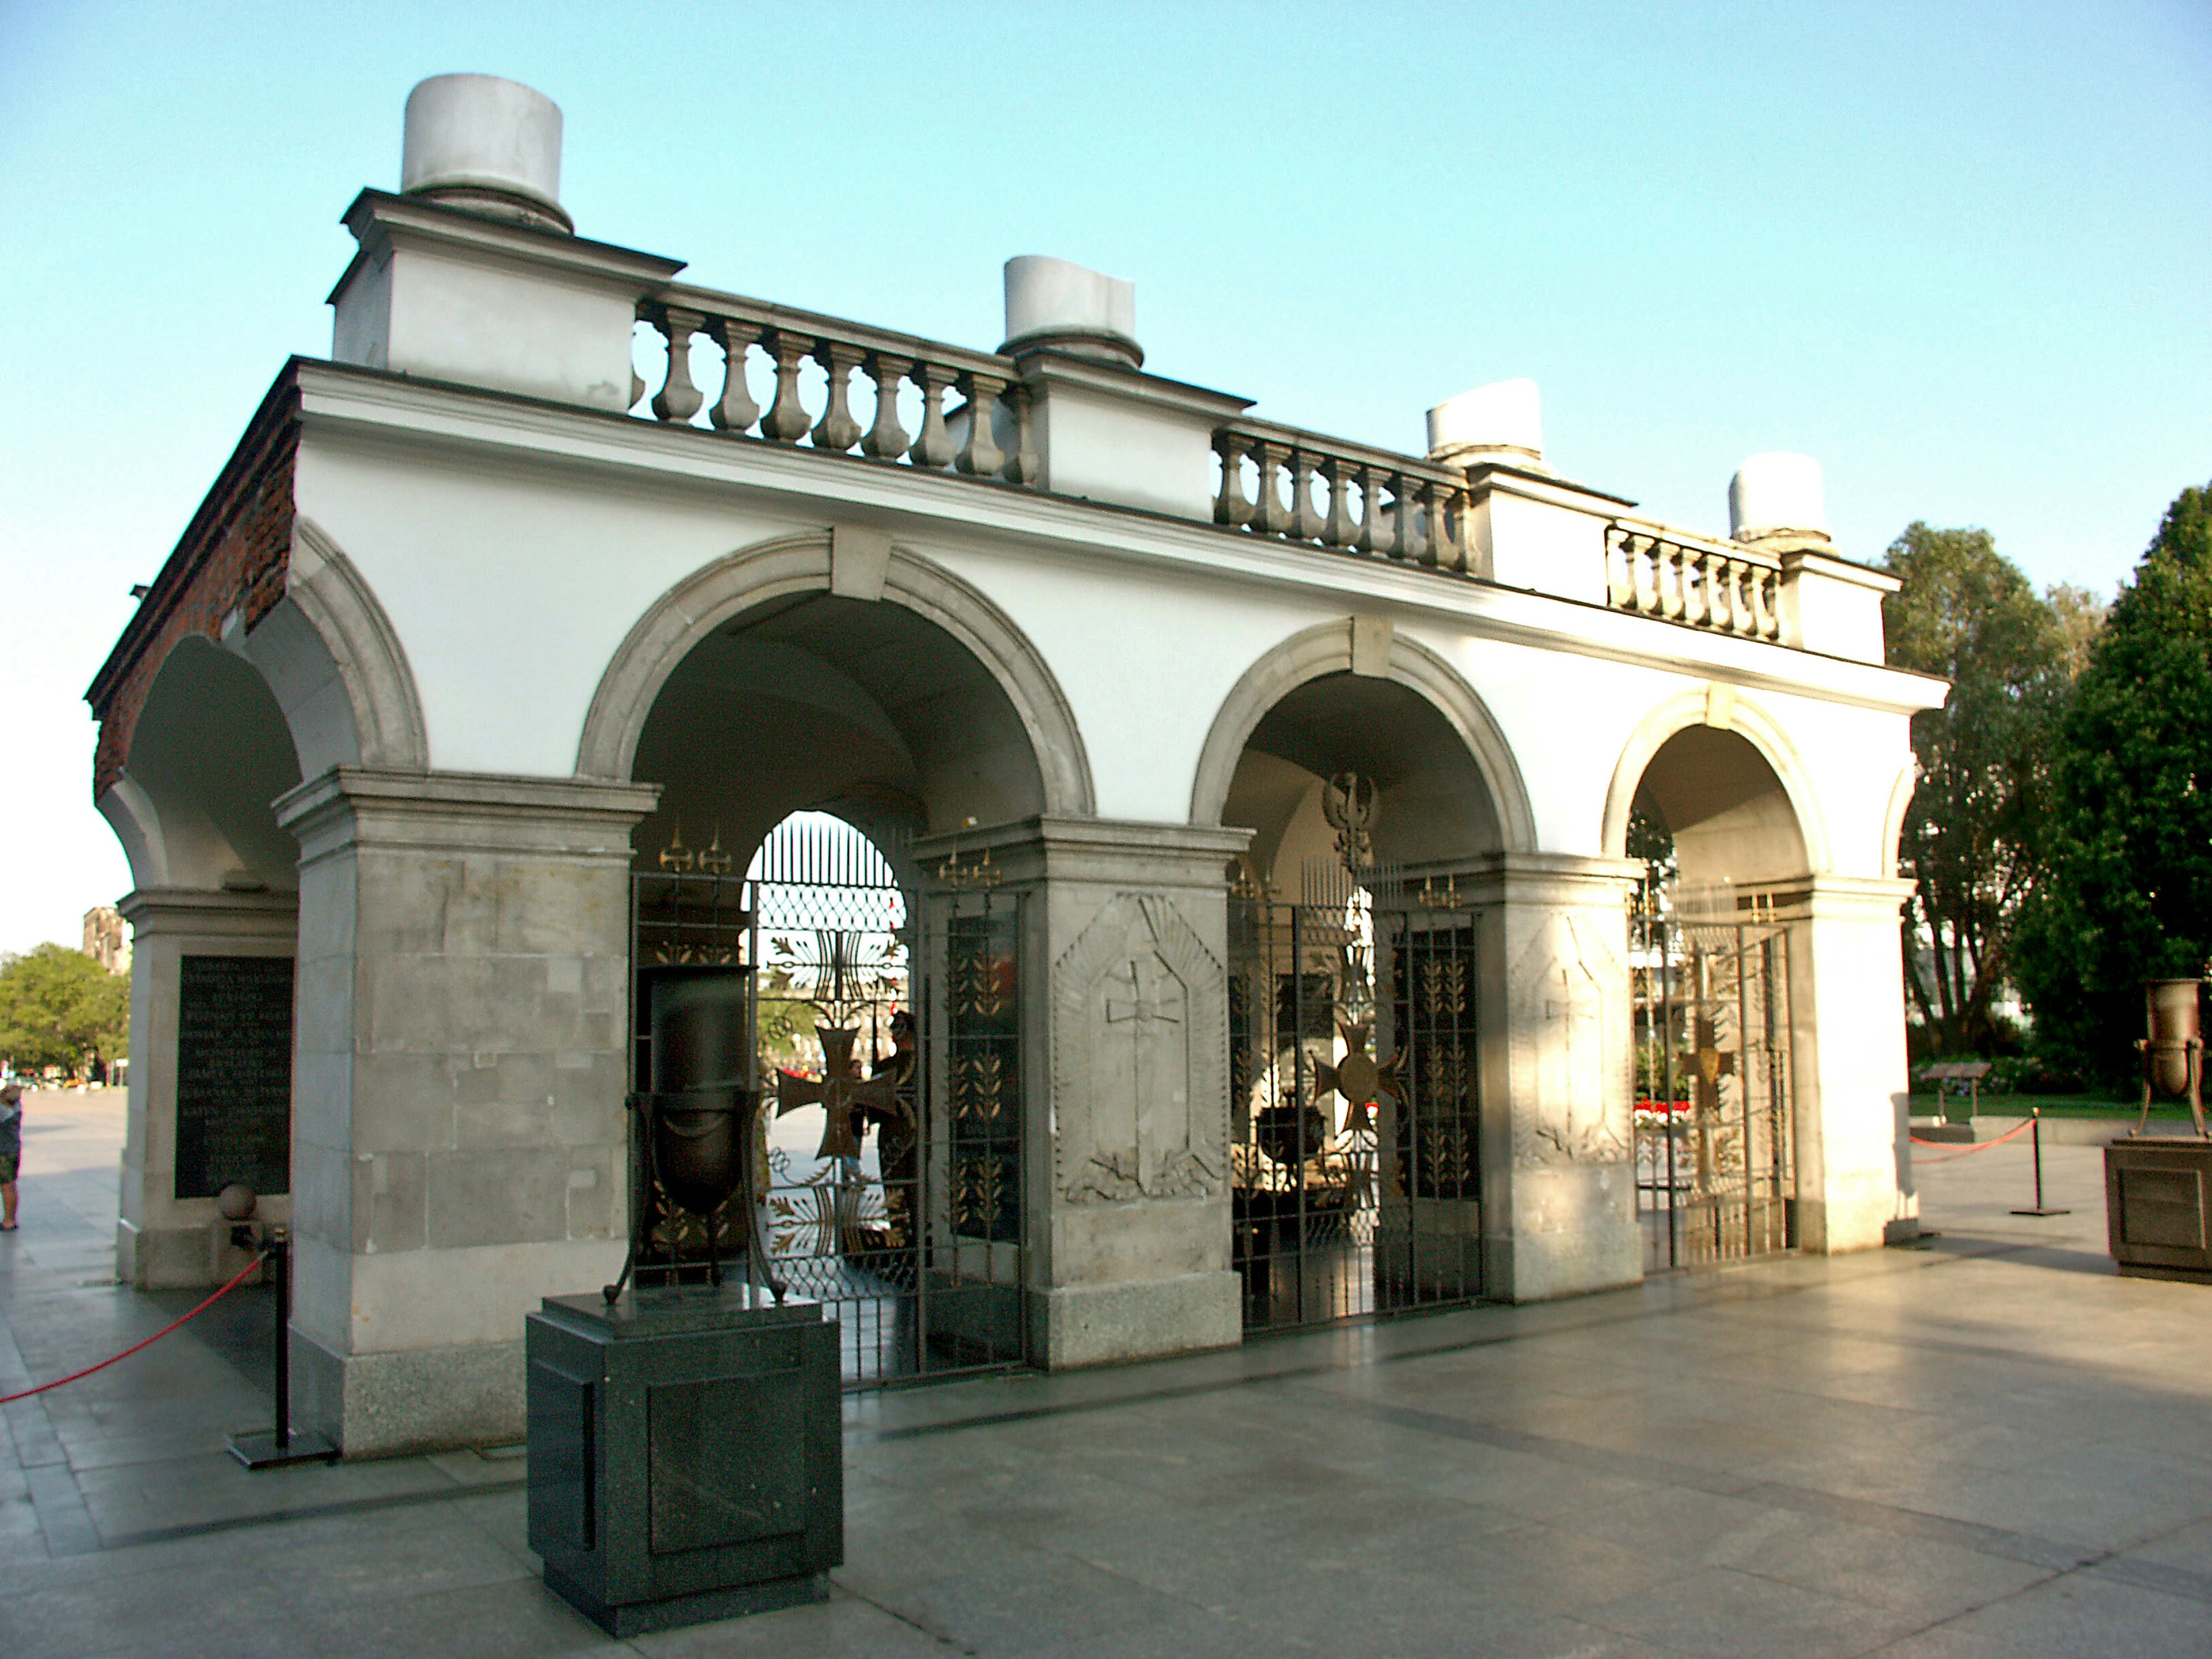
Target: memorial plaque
[233,1075]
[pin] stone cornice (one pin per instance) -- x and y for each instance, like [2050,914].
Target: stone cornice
[1049,368]
[407,412]
[353,806]
[1838,568]
[1496,478]
[381,222]
[1108,850]
[262,916]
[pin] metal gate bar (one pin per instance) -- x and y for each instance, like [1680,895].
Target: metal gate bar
[1355,1183]
[1716,1139]
[888,1041]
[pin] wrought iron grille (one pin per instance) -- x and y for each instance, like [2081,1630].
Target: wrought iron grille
[1356,1181]
[1716,1140]
[971,1310]
[899,1213]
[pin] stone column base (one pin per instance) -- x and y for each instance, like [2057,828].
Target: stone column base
[383,1405]
[1600,1248]
[1093,1324]
[176,1258]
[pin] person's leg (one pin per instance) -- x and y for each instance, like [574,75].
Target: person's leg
[7,1204]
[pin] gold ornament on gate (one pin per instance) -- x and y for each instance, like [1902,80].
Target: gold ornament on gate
[1348,801]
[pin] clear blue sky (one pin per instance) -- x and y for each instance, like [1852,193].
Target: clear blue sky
[1960,253]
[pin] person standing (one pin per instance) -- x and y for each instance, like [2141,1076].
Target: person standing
[11,1151]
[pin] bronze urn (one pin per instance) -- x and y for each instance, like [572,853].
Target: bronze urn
[2173,1053]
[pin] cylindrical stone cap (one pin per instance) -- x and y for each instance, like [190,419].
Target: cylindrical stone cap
[490,145]
[1052,302]
[1505,420]
[1777,494]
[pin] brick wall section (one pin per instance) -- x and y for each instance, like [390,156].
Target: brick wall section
[233,557]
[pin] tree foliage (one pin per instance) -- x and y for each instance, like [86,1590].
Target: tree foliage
[59,1007]
[1967,613]
[2128,833]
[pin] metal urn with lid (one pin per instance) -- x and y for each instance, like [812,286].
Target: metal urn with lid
[2173,1053]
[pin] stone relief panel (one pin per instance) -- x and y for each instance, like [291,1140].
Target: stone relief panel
[1570,1050]
[1140,1087]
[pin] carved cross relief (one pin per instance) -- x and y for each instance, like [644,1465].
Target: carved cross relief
[1565,1110]
[1139,1014]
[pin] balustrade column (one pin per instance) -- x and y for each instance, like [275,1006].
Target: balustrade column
[787,420]
[932,445]
[1362,539]
[677,400]
[837,431]
[980,456]
[1407,540]
[1229,507]
[1023,464]
[1305,520]
[886,440]
[1269,515]
[736,412]
[1339,530]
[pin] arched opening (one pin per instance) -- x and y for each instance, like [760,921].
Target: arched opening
[801,747]
[215,930]
[209,751]
[1726,858]
[1354,1075]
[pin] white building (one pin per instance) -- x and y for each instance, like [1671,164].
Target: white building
[1214,758]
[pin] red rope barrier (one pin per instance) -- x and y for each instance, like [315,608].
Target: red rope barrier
[249,1267]
[2007,1136]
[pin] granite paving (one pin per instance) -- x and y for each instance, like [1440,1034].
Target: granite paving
[1985,1442]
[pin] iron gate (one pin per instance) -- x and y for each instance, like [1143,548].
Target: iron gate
[1716,1140]
[887,1153]
[1355,1179]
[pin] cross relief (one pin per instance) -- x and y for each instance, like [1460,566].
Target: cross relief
[1153,998]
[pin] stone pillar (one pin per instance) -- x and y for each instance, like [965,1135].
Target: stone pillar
[1558,1146]
[163,1240]
[460,1139]
[1125,1082]
[1847,1037]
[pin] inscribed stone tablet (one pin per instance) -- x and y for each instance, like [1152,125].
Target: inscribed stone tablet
[233,1075]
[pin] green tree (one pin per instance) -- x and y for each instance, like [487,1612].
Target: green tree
[1967,613]
[2127,836]
[59,1007]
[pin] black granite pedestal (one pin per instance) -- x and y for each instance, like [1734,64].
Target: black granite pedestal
[685,1458]
[2158,1206]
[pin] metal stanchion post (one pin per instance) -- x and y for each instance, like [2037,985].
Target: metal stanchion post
[2036,1136]
[281,1446]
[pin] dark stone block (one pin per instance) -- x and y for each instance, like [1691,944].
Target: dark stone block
[2157,1193]
[685,1458]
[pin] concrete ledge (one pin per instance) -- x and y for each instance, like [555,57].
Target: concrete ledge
[2056,1131]
[381,1405]
[1533,1267]
[186,1258]
[1094,1324]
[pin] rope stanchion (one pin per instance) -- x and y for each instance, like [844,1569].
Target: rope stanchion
[2009,1135]
[252,1266]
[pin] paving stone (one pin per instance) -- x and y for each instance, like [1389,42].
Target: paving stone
[1990,1446]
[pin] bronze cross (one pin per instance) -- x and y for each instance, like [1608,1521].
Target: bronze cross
[839,1091]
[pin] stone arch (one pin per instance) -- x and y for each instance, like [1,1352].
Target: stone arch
[750,577]
[335,662]
[1723,708]
[1893,817]
[1327,648]
[210,748]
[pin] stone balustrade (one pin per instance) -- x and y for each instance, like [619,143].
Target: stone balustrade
[1002,446]
[1723,586]
[1325,491]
